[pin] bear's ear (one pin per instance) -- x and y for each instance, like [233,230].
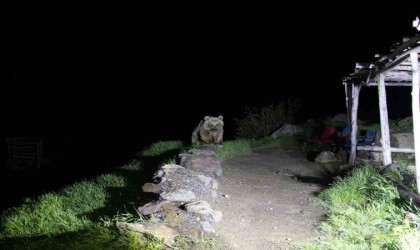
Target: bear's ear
[220,117]
[206,118]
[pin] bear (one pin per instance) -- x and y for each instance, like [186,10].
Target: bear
[209,130]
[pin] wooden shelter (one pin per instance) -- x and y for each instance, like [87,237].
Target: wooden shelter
[399,68]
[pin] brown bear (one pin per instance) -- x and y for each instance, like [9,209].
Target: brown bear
[209,131]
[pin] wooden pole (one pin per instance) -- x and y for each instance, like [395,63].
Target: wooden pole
[416,113]
[378,149]
[383,110]
[354,107]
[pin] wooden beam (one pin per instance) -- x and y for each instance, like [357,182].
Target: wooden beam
[400,58]
[354,108]
[391,84]
[383,110]
[378,149]
[416,114]
[402,48]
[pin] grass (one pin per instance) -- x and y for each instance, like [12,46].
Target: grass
[244,146]
[161,147]
[83,215]
[365,212]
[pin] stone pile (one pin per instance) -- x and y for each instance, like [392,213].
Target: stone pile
[183,192]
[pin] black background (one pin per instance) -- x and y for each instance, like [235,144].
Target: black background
[100,89]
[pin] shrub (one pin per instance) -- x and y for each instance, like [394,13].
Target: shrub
[259,123]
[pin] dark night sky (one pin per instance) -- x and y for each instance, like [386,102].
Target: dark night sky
[112,88]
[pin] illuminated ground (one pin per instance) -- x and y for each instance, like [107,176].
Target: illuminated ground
[264,205]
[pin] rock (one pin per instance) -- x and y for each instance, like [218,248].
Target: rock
[215,184]
[159,231]
[325,157]
[411,168]
[196,234]
[206,164]
[341,155]
[344,167]
[188,179]
[150,188]
[409,178]
[159,174]
[365,155]
[205,179]
[178,195]
[376,156]
[151,207]
[287,129]
[203,151]
[199,207]
[217,215]
[214,194]
[392,168]
[168,168]
[207,227]
[402,140]
[203,208]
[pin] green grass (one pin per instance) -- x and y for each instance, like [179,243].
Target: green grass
[404,125]
[244,146]
[365,212]
[160,148]
[83,215]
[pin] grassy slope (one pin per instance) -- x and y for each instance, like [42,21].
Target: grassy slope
[365,211]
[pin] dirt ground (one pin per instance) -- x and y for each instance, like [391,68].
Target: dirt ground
[268,200]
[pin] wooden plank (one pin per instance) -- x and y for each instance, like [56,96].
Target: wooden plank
[354,107]
[391,84]
[400,58]
[378,149]
[404,68]
[386,142]
[398,76]
[415,94]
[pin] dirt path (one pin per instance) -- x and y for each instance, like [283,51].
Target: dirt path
[264,206]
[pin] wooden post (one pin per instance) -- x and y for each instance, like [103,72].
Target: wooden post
[383,110]
[354,108]
[348,102]
[416,113]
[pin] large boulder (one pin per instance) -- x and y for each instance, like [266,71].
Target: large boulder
[159,231]
[402,140]
[287,129]
[172,178]
[325,157]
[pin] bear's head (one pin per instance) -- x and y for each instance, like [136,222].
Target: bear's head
[213,123]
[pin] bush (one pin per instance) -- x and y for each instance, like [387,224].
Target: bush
[259,123]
